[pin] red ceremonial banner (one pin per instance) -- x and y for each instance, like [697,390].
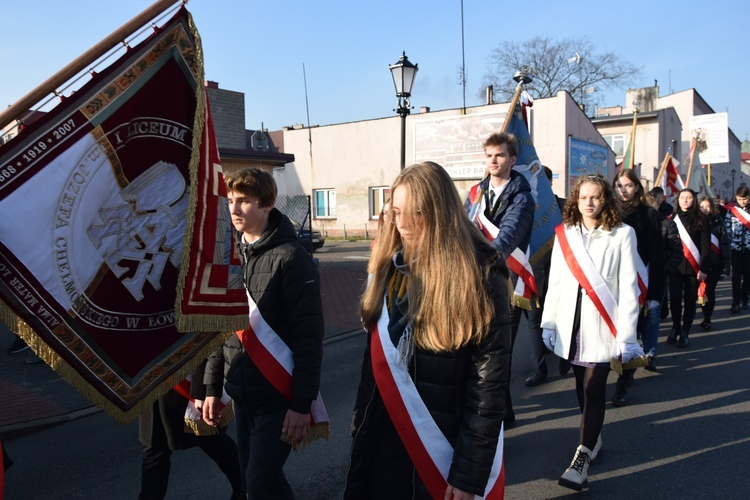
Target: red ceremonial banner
[114,228]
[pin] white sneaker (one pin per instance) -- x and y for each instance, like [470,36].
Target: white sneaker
[597,448]
[576,476]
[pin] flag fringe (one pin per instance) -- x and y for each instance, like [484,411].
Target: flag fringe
[522,302]
[201,428]
[79,383]
[321,430]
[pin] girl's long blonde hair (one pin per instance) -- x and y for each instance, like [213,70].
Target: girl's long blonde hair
[449,303]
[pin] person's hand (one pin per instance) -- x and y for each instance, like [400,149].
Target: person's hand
[453,493]
[652,303]
[211,412]
[549,337]
[625,352]
[296,425]
[702,276]
[199,406]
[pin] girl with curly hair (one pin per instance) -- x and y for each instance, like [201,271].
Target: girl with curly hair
[591,309]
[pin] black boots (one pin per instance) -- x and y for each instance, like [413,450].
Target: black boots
[672,336]
[683,341]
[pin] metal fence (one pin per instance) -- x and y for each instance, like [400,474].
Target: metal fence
[297,207]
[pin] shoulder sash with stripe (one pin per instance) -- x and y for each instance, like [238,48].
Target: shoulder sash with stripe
[689,250]
[274,360]
[429,450]
[715,248]
[642,280]
[587,275]
[517,261]
[741,215]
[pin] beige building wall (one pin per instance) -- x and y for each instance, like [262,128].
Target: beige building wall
[350,158]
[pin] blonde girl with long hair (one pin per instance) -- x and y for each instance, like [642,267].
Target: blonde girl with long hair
[440,296]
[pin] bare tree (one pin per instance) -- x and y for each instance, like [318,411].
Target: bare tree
[571,64]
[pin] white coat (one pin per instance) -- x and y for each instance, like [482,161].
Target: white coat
[614,254]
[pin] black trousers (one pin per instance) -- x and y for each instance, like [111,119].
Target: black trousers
[156,456]
[740,276]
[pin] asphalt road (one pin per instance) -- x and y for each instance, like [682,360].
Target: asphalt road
[684,433]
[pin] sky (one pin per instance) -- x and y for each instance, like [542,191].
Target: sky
[345,47]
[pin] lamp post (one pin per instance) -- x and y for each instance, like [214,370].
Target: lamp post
[403,73]
[733,171]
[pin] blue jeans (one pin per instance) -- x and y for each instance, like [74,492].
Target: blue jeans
[262,454]
[651,330]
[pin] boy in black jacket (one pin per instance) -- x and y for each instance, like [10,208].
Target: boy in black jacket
[284,294]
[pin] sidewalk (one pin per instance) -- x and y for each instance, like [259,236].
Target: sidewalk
[34,396]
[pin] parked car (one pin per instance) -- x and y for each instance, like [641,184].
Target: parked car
[303,236]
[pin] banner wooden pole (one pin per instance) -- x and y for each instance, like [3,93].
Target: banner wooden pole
[24,104]
[512,108]
[661,170]
[690,163]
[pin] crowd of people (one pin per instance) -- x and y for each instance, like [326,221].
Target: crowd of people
[433,397]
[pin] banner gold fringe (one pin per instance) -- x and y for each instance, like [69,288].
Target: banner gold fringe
[521,302]
[201,428]
[317,431]
[618,366]
[83,387]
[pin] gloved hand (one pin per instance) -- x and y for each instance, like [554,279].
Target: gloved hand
[625,352]
[652,303]
[549,337]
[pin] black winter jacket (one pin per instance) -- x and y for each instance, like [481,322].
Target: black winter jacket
[283,281]
[676,261]
[464,390]
[646,223]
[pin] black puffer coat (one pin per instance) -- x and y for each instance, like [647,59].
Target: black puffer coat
[283,281]
[464,390]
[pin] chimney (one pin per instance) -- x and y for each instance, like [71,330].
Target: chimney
[424,109]
[489,95]
[212,85]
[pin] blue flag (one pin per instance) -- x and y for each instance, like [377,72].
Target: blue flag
[547,215]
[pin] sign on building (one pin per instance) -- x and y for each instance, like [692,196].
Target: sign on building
[712,135]
[456,142]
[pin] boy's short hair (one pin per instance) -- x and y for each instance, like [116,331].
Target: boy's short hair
[253,182]
[743,192]
[500,138]
[657,190]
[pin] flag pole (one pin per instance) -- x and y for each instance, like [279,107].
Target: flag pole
[23,105]
[632,139]
[690,163]
[522,76]
[661,169]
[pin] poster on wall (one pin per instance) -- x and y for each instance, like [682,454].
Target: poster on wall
[711,133]
[585,158]
[456,142]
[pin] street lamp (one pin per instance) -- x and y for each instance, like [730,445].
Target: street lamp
[733,171]
[403,73]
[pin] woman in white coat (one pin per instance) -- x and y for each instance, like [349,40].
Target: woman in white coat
[591,308]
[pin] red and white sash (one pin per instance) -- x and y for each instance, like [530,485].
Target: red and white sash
[428,448]
[194,419]
[587,275]
[274,360]
[741,215]
[517,261]
[642,280]
[715,248]
[689,250]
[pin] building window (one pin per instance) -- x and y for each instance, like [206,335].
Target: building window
[324,203]
[616,143]
[378,196]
